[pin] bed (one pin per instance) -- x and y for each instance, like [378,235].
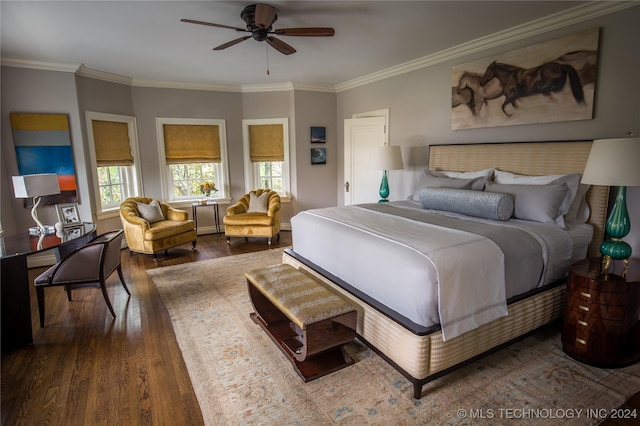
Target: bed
[446,326]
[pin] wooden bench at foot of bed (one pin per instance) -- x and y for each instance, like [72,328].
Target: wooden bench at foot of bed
[308,322]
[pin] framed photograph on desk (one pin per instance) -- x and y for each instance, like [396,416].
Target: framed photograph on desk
[68,214]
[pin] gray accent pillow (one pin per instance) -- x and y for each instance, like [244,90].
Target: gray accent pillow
[487,205]
[572,180]
[151,212]
[258,204]
[427,180]
[539,203]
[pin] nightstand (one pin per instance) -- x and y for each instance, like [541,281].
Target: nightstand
[601,324]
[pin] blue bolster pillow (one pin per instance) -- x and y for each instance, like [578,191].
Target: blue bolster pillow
[487,205]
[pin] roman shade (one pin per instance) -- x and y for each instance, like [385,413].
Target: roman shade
[266,142]
[111,140]
[186,143]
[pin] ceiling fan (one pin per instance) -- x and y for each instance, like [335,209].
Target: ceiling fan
[259,19]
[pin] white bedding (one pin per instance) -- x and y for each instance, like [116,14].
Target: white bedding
[361,247]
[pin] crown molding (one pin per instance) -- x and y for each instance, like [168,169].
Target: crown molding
[185,86]
[254,88]
[549,23]
[102,75]
[37,65]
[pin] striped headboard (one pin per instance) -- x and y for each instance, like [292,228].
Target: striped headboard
[528,158]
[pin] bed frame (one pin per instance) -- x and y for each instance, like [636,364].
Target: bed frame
[425,356]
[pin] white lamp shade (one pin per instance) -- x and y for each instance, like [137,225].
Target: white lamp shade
[386,157]
[613,162]
[29,186]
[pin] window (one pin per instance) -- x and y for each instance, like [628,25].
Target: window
[266,154]
[193,155]
[113,148]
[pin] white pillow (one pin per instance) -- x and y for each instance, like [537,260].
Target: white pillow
[258,204]
[572,180]
[486,173]
[151,212]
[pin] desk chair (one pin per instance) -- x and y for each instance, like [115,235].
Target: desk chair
[92,263]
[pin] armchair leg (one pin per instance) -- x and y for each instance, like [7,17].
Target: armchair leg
[68,290]
[269,241]
[40,296]
[228,240]
[193,245]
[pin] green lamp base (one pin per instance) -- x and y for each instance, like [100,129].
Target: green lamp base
[384,188]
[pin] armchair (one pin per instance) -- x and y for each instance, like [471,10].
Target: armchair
[92,263]
[151,226]
[256,214]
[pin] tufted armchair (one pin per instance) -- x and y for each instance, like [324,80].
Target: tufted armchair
[168,228]
[256,214]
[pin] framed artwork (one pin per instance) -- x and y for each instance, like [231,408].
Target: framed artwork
[68,214]
[318,156]
[72,233]
[318,135]
[542,83]
[43,145]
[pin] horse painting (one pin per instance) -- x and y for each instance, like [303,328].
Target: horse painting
[491,90]
[545,79]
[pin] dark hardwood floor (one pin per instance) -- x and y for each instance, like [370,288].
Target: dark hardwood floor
[84,368]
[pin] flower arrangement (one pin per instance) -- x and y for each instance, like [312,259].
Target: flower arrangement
[207,187]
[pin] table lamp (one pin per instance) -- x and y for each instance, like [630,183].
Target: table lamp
[36,186]
[386,157]
[615,162]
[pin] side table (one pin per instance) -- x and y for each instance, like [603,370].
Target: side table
[216,213]
[601,324]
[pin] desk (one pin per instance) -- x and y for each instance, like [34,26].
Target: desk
[16,303]
[216,213]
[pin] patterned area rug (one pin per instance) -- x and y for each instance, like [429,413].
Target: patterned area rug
[240,377]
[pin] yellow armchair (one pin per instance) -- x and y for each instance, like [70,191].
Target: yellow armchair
[157,232]
[256,214]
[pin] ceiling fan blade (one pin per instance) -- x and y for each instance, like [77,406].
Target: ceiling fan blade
[280,46]
[306,32]
[231,43]
[265,15]
[209,24]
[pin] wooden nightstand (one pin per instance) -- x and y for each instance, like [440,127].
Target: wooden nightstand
[601,323]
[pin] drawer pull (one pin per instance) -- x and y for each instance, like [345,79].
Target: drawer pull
[583,323]
[581,341]
[584,308]
[583,294]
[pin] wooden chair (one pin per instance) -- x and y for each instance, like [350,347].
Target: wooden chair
[92,263]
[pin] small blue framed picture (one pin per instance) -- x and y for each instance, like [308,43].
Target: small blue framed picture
[318,135]
[318,156]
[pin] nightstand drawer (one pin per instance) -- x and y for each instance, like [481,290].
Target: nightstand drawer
[596,310]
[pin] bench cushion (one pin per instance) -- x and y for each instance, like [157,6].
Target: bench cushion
[301,298]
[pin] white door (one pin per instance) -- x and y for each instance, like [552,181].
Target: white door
[362,184]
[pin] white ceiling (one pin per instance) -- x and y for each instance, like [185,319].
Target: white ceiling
[146,42]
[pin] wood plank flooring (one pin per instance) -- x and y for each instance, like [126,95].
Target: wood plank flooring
[84,368]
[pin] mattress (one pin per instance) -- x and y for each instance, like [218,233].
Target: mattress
[367,255]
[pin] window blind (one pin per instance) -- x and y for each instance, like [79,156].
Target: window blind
[266,142]
[186,143]
[111,140]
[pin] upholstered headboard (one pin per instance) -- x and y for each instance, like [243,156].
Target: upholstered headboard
[529,158]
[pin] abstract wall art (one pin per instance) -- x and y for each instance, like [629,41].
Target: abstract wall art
[43,145]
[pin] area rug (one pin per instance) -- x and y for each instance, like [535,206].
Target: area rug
[240,377]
